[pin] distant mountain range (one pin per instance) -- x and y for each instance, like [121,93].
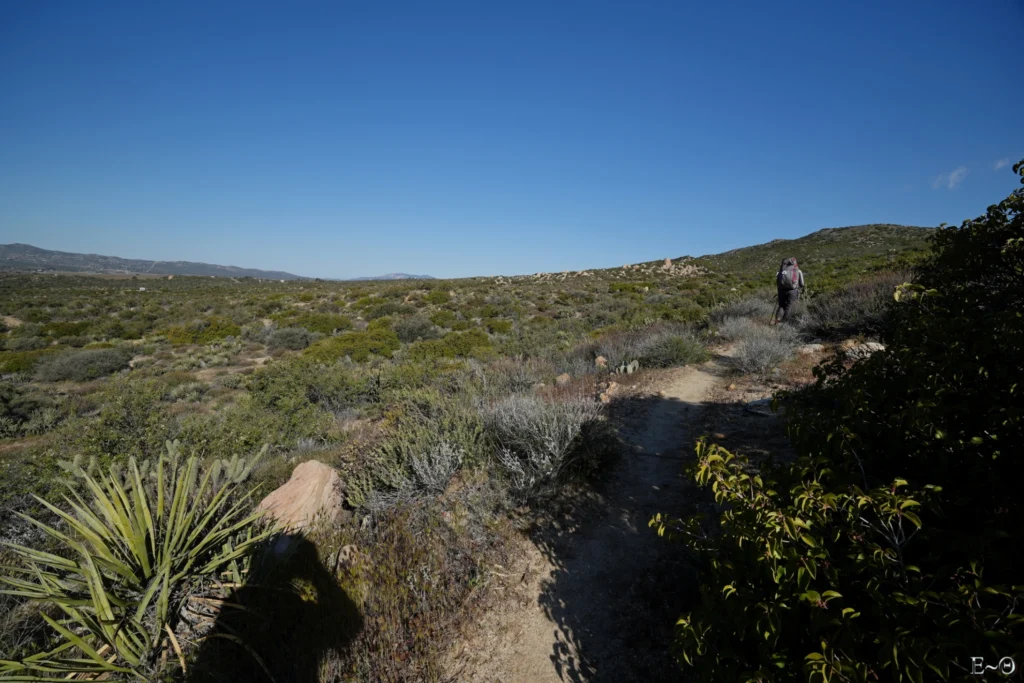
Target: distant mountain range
[395,276]
[26,258]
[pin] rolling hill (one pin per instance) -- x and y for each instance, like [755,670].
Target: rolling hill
[25,257]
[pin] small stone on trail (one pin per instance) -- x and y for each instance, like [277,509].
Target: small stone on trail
[662,394]
[732,387]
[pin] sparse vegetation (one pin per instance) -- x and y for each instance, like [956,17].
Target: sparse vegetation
[437,403]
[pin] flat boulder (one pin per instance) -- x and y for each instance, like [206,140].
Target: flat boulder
[313,491]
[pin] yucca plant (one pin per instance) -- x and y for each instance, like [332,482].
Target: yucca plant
[129,560]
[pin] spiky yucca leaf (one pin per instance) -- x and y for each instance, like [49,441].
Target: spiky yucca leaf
[132,554]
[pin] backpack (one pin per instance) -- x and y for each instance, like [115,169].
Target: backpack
[788,277]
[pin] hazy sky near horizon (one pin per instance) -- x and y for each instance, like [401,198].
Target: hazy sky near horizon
[342,139]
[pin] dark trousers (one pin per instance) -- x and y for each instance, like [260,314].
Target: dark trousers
[787,301]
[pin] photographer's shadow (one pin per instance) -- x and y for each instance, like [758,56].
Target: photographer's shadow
[282,624]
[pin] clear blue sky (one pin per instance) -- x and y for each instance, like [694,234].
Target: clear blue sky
[343,138]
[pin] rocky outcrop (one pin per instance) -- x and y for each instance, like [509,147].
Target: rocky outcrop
[313,492]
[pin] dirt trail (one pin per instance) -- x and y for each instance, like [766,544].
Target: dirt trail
[582,612]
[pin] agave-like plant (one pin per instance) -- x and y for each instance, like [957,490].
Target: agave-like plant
[129,559]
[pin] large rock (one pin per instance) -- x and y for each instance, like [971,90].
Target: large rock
[860,351]
[314,491]
[601,362]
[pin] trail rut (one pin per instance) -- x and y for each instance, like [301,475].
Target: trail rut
[580,613]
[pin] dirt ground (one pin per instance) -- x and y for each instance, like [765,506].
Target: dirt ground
[598,592]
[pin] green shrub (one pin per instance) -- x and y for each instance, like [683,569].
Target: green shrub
[131,421]
[809,577]
[629,287]
[415,329]
[388,308]
[22,362]
[83,365]
[26,344]
[65,329]
[356,345]
[498,326]
[469,344]
[205,331]
[324,323]
[670,347]
[290,338]
[438,297]
[443,318]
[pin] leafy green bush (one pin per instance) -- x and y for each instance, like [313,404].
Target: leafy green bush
[66,329]
[324,323]
[498,326]
[388,308]
[83,365]
[810,577]
[415,328]
[291,338]
[663,347]
[26,344]
[438,297]
[131,421]
[22,362]
[443,318]
[469,344]
[205,331]
[356,345]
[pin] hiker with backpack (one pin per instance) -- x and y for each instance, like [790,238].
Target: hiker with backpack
[789,281]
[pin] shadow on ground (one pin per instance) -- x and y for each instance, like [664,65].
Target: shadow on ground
[617,589]
[280,626]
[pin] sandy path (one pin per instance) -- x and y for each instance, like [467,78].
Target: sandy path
[580,614]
